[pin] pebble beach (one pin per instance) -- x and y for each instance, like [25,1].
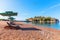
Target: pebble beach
[27,33]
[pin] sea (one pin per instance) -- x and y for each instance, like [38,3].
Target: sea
[54,26]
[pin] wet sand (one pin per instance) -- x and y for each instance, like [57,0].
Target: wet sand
[27,32]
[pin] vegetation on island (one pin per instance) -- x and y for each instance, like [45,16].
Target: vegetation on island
[42,19]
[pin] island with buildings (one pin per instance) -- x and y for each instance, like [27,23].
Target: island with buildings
[42,20]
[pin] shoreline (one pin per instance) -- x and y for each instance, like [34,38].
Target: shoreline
[37,26]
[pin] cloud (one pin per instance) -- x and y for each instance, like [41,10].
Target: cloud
[54,6]
[42,12]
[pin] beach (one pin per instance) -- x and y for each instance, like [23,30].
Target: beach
[27,32]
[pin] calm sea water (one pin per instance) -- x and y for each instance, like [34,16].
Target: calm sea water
[54,26]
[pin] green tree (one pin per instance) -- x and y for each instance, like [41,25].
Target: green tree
[11,18]
[9,14]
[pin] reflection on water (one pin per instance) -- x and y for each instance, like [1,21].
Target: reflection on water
[54,26]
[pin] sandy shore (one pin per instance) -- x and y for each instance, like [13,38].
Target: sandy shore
[27,33]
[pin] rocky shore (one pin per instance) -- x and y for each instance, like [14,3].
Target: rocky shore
[27,33]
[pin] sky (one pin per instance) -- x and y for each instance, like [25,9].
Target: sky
[30,8]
